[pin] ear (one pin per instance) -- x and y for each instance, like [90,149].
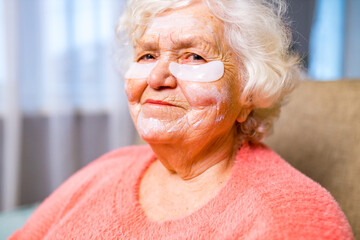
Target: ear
[244,113]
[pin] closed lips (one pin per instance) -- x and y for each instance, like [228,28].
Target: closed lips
[159,102]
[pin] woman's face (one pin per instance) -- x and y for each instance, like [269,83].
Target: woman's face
[166,109]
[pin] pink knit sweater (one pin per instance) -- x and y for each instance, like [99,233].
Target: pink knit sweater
[265,198]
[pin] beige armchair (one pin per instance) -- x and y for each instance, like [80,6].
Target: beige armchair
[318,132]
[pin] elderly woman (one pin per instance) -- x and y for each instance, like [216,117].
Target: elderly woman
[206,80]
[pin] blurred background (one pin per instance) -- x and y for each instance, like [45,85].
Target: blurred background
[62,102]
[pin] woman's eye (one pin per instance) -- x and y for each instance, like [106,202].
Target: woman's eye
[196,57]
[193,59]
[147,57]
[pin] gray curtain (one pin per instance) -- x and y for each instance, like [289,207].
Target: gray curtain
[62,101]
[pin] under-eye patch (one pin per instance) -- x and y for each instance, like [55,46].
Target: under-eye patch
[140,71]
[207,72]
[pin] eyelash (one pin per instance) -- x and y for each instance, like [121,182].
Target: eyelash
[193,58]
[196,57]
[200,58]
[145,57]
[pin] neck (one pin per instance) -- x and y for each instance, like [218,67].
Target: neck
[189,160]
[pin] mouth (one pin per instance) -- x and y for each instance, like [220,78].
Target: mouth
[159,102]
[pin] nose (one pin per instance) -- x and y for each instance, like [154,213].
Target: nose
[160,77]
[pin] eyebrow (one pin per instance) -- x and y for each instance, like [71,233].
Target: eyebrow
[191,41]
[185,42]
[147,45]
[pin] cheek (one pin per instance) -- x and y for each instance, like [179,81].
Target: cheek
[134,110]
[204,95]
[134,89]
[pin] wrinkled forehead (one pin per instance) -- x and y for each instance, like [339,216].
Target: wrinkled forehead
[178,22]
[183,30]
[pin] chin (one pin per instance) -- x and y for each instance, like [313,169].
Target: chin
[155,131]
[153,137]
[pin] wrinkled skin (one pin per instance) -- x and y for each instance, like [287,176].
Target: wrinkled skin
[193,131]
[199,108]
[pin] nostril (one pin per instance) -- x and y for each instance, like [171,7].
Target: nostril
[162,87]
[162,83]
[160,77]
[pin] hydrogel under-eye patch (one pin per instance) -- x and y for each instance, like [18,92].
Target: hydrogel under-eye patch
[207,72]
[140,71]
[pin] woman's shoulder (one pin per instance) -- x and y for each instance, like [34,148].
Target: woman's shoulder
[121,163]
[99,174]
[136,152]
[123,157]
[276,179]
[119,160]
[295,203]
